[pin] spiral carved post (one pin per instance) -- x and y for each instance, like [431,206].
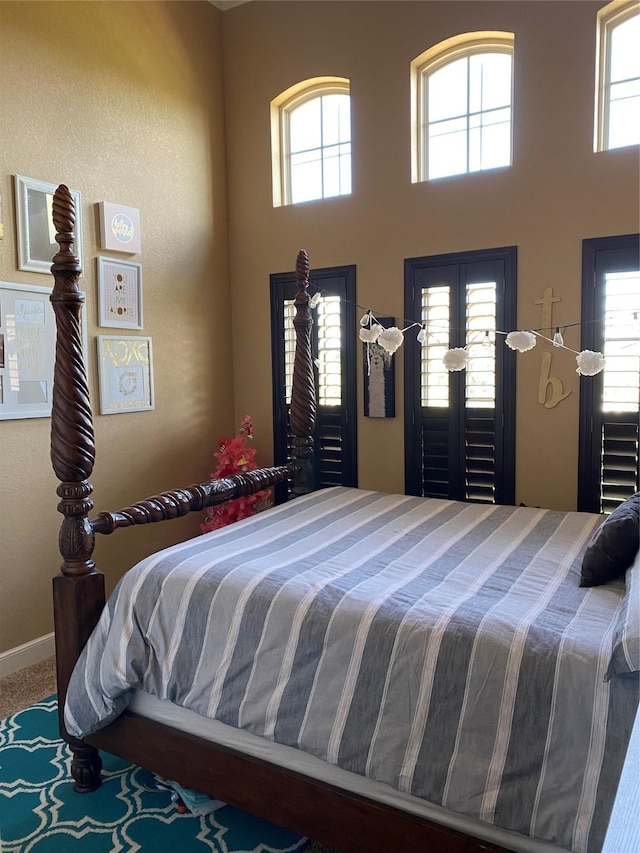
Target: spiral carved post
[78,591]
[302,417]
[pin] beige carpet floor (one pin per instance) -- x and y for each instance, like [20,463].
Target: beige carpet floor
[29,685]
[23,688]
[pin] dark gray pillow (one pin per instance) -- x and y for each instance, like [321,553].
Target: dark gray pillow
[614,544]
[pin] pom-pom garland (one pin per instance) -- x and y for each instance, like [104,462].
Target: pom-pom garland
[456,359]
[390,339]
[520,341]
[589,363]
[370,336]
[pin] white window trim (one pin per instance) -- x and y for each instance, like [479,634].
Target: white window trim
[281,108]
[466,44]
[608,18]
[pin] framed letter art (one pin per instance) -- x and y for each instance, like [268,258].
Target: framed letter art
[125,374]
[36,233]
[119,293]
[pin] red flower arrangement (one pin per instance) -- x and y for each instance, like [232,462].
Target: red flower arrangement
[235,456]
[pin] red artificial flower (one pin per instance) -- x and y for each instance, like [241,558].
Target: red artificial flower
[235,457]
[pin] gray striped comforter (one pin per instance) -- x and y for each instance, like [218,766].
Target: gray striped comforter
[441,647]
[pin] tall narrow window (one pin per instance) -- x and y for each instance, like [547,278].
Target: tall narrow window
[311,141]
[334,348]
[610,401]
[618,76]
[460,426]
[462,106]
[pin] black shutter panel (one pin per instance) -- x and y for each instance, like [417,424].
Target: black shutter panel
[480,455]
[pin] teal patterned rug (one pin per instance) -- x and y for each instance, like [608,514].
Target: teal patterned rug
[41,813]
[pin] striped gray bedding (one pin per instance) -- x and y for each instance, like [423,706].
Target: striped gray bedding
[441,647]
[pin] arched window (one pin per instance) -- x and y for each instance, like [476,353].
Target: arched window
[618,76]
[311,141]
[462,105]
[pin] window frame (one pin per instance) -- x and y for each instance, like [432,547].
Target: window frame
[334,281]
[600,256]
[281,109]
[505,401]
[433,59]
[608,18]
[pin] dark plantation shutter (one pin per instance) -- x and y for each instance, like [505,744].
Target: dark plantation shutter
[460,426]
[608,460]
[334,347]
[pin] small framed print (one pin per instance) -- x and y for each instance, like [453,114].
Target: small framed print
[35,229]
[379,378]
[125,374]
[119,228]
[119,294]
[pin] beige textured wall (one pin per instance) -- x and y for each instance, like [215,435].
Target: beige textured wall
[123,102]
[557,193]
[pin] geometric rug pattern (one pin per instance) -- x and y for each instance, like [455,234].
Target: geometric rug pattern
[41,813]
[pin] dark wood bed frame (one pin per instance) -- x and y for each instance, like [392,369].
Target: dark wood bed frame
[345,821]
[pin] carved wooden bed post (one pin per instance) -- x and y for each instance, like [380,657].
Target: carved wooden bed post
[302,419]
[78,591]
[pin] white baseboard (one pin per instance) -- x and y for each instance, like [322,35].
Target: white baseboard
[26,654]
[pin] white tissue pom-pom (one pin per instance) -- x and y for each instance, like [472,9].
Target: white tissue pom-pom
[317,296]
[370,336]
[521,341]
[589,362]
[390,339]
[455,359]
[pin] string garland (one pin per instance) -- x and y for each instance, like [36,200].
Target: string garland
[589,363]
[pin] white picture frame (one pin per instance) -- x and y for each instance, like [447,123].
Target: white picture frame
[125,374]
[119,293]
[27,350]
[34,224]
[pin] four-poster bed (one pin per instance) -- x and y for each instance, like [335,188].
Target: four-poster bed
[282,590]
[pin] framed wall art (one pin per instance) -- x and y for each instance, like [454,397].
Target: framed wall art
[119,293]
[119,228]
[125,374]
[379,378]
[35,230]
[27,350]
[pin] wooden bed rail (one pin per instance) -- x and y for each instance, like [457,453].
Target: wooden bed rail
[178,502]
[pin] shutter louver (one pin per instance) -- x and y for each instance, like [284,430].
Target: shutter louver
[480,453]
[435,454]
[619,474]
[329,446]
